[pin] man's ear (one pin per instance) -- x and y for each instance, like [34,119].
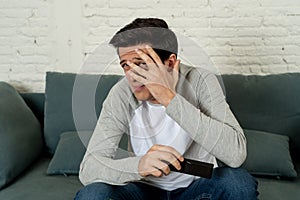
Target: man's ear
[171,60]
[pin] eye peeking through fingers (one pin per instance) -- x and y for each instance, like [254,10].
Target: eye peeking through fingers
[143,66]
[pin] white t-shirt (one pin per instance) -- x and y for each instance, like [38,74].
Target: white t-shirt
[151,125]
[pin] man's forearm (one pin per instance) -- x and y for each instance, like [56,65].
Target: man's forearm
[225,141]
[95,168]
[209,120]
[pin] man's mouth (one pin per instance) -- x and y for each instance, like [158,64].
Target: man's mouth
[138,88]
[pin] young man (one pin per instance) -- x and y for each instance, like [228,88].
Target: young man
[170,112]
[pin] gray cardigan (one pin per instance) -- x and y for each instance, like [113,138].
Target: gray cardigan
[199,107]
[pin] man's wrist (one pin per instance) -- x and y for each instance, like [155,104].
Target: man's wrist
[170,94]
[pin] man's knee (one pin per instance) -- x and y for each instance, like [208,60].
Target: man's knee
[94,191]
[236,183]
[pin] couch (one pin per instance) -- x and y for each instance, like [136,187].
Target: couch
[55,127]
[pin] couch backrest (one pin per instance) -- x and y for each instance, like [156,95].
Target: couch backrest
[268,103]
[55,107]
[73,102]
[35,102]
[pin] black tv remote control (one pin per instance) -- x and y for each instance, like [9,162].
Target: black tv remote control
[194,167]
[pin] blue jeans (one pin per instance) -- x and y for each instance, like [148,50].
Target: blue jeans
[226,183]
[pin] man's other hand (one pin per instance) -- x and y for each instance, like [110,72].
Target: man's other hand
[155,162]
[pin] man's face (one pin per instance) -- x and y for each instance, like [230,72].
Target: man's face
[129,54]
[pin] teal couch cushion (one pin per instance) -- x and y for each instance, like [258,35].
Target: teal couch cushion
[36,103]
[73,102]
[34,184]
[20,135]
[71,149]
[268,103]
[69,153]
[268,154]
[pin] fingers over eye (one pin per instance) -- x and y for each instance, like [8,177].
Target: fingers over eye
[137,77]
[139,70]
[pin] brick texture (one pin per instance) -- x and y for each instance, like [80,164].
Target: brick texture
[249,37]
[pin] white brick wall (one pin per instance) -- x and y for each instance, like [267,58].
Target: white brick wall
[250,37]
[25,43]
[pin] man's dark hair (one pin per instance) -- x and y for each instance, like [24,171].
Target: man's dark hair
[152,31]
